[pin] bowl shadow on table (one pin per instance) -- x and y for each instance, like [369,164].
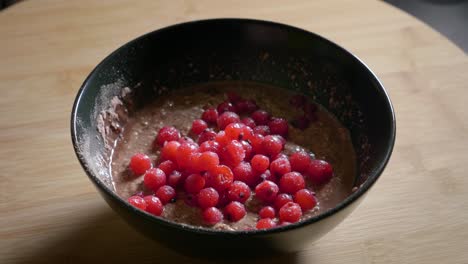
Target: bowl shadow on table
[106,238]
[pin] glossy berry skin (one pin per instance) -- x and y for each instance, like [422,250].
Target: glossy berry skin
[306,199]
[138,202]
[227,118]
[206,135]
[282,199]
[267,212]
[300,161]
[167,166]
[249,122]
[174,179]
[280,166]
[154,178]
[222,139]
[210,115]
[265,223]
[233,153]
[320,172]
[238,191]
[260,163]
[290,212]
[291,182]
[266,191]
[210,145]
[153,205]
[261,117]
[207,197]
[248,149]
[169,150]
[272,145]
[139,163]
[184,153]
[243,172]
[262,130]
[257,143]
[266,175]
[165,134]
[198,126]
[220,178]
[279,126]
[207,161]
[212,215]
[194,183]
[234,130]
[225,107]
[234,211]
[166,194]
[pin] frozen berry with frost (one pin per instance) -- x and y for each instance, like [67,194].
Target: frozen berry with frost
[153,205]
[139,163]
[290,212]
[266,191]
[212,215]
[166,194]
[238,191]
[319,171]
[234,211]
[207,197]
[138,202]
[165,134]
[154,178]
[306,199]
[267,212]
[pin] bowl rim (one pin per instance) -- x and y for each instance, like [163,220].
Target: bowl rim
[373,176]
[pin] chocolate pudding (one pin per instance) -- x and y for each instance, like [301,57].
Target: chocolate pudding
[325,137]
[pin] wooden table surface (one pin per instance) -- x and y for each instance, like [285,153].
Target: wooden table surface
[51,213]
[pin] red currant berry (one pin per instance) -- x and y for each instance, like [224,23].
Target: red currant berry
[167,166]
[261,117]
[267,212]
[266,191]
[291,182]
[234,130]
[175,179]
[198,126]
[265,223]
[248,122]
[306,199]
[153,205]
[300,161]
[279,126]
[272,145]
[207,197]
[212,215]
[167,133]
[166,194]
[262,130]
[233,153]
[207,160]
[238,191]
[248,149]
[194,183]
[257,143]
[139,163]
[169,151]
[207,134]
[267,176]
[290,212]
[282,199]
[210,116]
[320,171]
[225,107]
[243,172]
[184,153]
[220,178]
[210,145]
[279,167]
[138,202]
[222,139]
[260,163]
[234,211]
[227,118]
[154,178]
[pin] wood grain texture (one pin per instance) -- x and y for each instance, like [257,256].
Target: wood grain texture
[51,213]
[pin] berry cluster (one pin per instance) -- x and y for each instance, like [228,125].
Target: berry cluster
[232,160]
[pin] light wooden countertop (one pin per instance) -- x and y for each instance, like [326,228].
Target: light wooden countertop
[50,212]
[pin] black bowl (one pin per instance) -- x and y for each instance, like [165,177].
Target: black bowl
[238,49]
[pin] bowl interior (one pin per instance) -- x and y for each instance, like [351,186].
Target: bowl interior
[232,49]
